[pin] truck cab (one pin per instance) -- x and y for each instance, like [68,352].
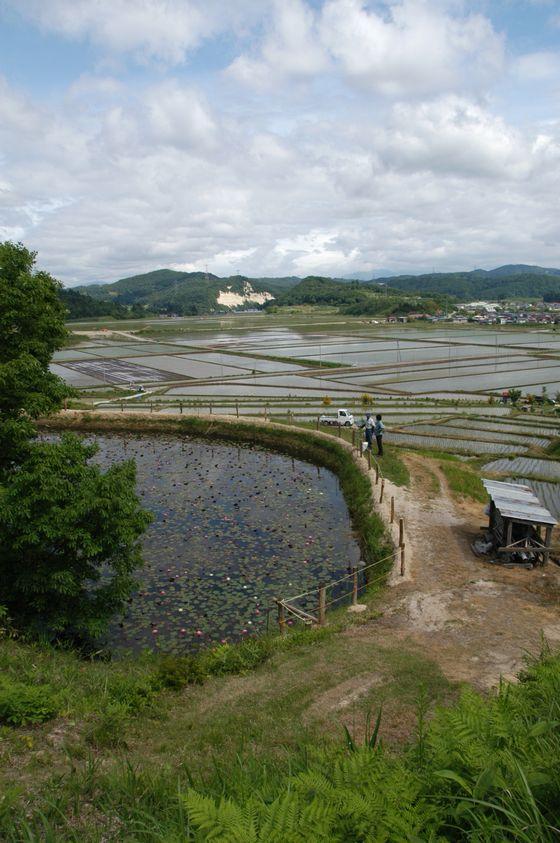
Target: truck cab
[343,418]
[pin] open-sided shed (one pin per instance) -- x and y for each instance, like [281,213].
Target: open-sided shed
[518,522]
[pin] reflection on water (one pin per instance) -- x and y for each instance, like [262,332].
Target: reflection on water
[233,528]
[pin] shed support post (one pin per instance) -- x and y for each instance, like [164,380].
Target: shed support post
[509,531]
[547,541]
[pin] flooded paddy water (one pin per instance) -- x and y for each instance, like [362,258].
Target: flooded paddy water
[233,528]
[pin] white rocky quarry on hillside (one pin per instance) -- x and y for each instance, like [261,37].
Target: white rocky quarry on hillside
[249,296]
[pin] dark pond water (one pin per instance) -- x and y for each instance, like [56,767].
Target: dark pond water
[233,528]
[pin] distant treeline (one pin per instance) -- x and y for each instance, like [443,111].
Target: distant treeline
[358,298]
[82,306]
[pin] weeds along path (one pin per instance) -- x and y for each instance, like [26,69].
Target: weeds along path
[477,621]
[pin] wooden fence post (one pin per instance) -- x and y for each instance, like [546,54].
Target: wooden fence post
[122,406]
[318,417]
[237,409]
[382,491]
[369,459]
[354,586]
[281,617]
[353,436]
[151,406]
[376,474]
[392,509]
[402,560]
[322,608]
[339,431]
[265,413]
[401,532]
[181,407]
[210,408]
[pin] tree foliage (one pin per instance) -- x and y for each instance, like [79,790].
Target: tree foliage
[68,539]
[31,329]
[68,532]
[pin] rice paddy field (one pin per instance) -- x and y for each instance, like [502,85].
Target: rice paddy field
[267,357]
[438,388]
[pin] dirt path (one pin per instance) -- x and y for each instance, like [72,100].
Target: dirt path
[109,333]
[475,620]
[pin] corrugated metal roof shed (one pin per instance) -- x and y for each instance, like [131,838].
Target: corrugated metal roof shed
[518,503]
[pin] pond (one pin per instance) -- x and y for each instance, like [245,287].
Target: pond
[233,528]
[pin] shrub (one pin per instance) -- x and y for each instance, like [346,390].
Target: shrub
[237,658]
[21,704]
[175,672]
[108,728]
[327,401]
[131,693]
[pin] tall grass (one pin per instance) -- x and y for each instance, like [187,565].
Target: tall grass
[463,482]
[485,769]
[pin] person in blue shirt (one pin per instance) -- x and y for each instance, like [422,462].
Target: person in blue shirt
[378,429]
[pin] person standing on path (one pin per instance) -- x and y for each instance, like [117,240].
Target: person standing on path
[368,424]
[378,429]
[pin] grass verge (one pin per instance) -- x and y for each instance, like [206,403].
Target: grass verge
[463,482]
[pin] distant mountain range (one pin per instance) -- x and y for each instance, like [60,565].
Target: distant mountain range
[199,293]
[509,281]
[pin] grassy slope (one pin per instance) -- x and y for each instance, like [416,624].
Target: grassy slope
[232,733]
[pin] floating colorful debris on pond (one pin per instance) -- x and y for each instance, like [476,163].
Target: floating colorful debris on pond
[233,528]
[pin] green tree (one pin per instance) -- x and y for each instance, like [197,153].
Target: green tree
[68,532]
[68,539]
[31,329]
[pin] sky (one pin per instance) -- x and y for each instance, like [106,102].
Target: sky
[280,137]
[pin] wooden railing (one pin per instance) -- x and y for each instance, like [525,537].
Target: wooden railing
[310,607]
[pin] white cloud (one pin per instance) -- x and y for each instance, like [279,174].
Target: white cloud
[453,135]
[290,48]
[160,29]
[412,47]
[392,155]
[178,116]
[538,67]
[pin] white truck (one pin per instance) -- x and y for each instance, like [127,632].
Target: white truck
[343,418]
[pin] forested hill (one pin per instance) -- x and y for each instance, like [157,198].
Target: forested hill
[517,281]
[82,306]
[184,293]
[199,293]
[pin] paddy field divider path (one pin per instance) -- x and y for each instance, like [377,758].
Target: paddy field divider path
[391,566]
